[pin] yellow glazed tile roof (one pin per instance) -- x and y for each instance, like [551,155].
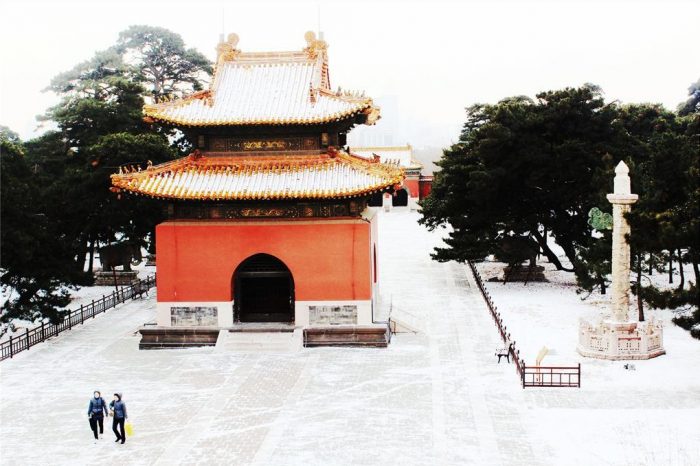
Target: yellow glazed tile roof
[245,177]
[390,154]
[277,88]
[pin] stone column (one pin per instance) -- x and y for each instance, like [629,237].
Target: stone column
[621,200]
[619,337]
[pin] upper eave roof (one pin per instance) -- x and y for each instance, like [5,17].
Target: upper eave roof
[266,88]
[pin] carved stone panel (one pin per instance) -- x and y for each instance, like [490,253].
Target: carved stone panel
[194,316]
[333,315]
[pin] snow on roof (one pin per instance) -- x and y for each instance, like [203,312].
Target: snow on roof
[266,88]
[387,154]
[311,176]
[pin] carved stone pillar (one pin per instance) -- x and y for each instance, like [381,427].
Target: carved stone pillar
[619,337]
[621,200]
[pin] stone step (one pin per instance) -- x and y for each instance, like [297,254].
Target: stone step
[375,335]
[276,341]
[262,327]
[154,337]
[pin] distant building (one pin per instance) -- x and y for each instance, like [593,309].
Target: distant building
[387,131]
[416,185]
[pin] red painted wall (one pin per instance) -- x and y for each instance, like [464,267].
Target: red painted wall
[426,185]
[329,259]
[412,185]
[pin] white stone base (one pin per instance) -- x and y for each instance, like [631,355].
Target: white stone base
[363,310]
[302,312]
[224,310]
[621,340]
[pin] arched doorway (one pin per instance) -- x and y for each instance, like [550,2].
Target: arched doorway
[263,290]
[400,199]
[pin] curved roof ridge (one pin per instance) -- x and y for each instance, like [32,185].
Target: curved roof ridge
[272,57]
[270,88]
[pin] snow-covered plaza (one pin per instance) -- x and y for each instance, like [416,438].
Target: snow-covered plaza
[432,397]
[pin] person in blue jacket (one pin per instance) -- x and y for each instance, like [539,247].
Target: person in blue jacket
[97,410]
[118,410]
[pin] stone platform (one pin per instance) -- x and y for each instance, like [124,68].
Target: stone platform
[621,341]
[123,278]
[377,335]
[524,274]
[177,337]
[276,337]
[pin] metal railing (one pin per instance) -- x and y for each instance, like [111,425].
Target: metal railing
[552,376]
[31,337]
[530,376]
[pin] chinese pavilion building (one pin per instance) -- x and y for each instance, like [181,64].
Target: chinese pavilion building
[267,217]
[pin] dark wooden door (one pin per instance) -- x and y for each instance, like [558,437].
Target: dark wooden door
[265,299]
[264,291]
[400,198]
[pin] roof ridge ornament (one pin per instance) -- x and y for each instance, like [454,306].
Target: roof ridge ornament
[316,50]
[315,47]
[227,51]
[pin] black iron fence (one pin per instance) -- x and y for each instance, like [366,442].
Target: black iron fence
[31,337]
[530,376]
[551,376]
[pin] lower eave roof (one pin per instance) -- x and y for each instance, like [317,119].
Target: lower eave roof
[331,175]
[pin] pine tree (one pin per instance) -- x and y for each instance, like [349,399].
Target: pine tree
[57,204]
[158,59]
[33,268]
[522,168]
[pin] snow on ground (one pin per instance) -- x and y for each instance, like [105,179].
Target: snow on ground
[82,296]
[436,397]
[88,293]
[547,314]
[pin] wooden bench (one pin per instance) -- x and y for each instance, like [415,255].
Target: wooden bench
[504,352]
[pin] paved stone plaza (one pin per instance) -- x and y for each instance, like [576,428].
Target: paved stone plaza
[436,397]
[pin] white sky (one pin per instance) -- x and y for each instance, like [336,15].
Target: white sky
[434,58]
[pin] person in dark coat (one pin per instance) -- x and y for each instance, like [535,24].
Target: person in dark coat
[118,410]
[97,410]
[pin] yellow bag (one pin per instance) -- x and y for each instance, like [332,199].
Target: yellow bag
[129,428]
